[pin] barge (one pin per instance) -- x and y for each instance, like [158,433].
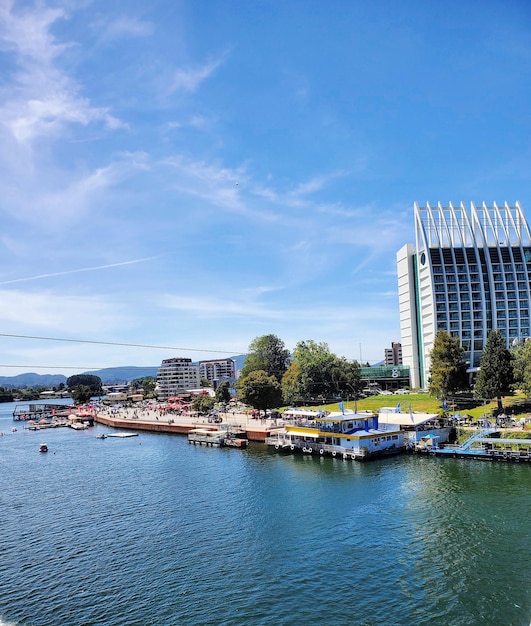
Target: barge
[346,435]
[215,438]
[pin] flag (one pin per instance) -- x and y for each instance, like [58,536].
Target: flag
[444,404]
[342,406]
[411,413]
[397,410]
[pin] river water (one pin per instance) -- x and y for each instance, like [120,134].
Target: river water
[152,531]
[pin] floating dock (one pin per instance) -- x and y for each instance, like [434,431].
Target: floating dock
[483,447]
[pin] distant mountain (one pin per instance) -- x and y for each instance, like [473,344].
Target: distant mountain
[21,381]
[123,374]
[108,375]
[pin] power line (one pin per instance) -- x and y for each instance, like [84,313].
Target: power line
[115,343]
[75,367]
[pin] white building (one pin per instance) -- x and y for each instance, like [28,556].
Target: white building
[468,273]
[218,370]
[175,376]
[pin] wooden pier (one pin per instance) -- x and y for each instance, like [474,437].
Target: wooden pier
[37,411]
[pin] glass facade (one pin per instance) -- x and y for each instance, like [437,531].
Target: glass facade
[473,275]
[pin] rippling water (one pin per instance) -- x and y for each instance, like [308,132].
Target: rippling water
[152,531]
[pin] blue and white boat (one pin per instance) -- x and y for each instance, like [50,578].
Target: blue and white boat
[345,434]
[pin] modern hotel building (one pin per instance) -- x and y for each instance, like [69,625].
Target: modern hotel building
[468,273]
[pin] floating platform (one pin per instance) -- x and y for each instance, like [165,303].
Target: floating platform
[206,437]
[483,448]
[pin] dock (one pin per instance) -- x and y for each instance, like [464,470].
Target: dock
[482,446]
[41,410]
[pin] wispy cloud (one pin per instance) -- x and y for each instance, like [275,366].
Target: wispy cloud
[42,98]
[68,195]
[219,186]
[123,26]
[299,196]
[189,80]
[84,269]
[52,310]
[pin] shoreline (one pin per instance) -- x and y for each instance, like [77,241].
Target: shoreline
[153,420]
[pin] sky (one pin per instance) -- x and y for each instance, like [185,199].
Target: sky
[179,177]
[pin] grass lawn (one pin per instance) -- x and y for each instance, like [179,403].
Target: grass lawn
[423,403]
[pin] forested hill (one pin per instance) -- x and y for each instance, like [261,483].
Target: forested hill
[21,381]
[123,374]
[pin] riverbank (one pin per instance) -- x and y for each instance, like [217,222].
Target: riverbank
[163,421]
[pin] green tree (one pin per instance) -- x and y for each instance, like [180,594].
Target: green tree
[81,394]
[448,369]
[346,376]
[260,390]
[203,403]
[522,367]
[291,388]
[223,392]
[317,366]
[267,353]
[85,380]
[147,383]
[495,376]
[205,383]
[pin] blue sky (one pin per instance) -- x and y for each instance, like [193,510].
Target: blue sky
[196,174]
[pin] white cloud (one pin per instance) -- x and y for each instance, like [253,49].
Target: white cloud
[66,314]
[69,195]
[42,98]
[190,79]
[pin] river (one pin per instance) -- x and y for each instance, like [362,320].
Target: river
[152,531]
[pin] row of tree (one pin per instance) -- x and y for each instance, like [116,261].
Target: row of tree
[272,376]
[501,370]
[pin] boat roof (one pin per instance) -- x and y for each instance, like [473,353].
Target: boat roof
[388,415]
[345,416]
[303,432]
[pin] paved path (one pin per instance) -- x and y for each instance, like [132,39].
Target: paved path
[171,421]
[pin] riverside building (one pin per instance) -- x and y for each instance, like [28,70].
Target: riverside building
[218,370]
[175,376]
[469,272]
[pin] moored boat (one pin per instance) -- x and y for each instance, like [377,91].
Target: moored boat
[345,434]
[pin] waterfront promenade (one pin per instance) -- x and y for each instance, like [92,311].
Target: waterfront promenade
[154,419]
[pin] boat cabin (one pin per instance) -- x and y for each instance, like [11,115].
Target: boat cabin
[353,435]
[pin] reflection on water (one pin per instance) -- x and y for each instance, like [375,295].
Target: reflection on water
[150,530]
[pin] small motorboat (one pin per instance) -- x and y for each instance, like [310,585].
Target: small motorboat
[102,436]
[43,448]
